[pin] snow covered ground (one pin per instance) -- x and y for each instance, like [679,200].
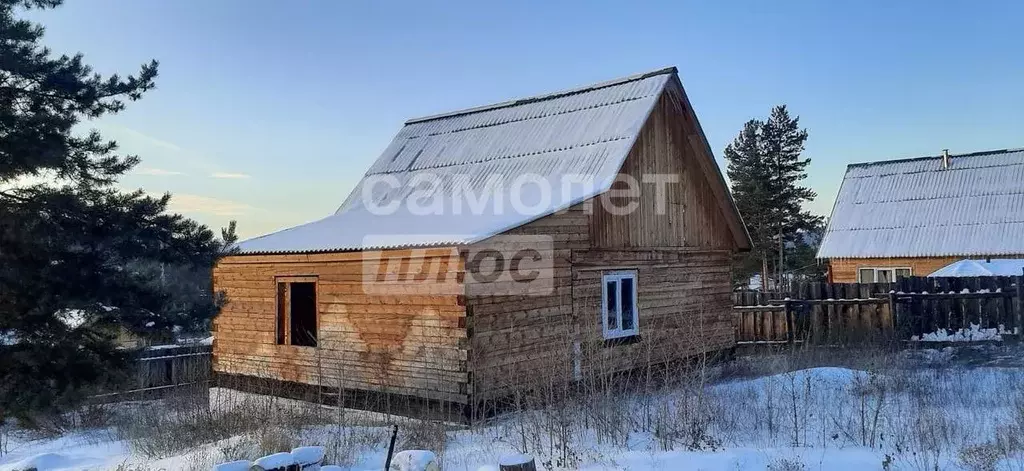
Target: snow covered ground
[956,408]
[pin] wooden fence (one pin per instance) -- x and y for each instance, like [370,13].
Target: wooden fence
[164,368]
[911,308]
[927,305]
[814,312]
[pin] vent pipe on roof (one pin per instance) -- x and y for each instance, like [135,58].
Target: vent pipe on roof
[945,158]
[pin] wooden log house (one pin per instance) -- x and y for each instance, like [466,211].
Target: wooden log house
[912,217]
[384,296]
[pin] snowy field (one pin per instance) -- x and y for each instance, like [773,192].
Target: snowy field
[955,408]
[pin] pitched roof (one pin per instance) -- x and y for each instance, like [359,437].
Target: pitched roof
[916,208]
[586,132]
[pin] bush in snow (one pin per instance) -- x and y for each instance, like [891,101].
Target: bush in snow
[984,457]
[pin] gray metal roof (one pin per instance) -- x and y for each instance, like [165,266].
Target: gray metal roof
[916,208]
[587,132]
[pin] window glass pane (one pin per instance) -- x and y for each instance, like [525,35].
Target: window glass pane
[867,275]
[626,294]
[883,276]
[611,303]
[902,272]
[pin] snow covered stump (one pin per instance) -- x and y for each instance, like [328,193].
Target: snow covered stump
[277,462]
[240,465]
[517,462]
[414,460]
[308,458]
[304,458]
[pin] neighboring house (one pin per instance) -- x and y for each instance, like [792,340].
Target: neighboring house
[911,217]
[990,267]
[401,300]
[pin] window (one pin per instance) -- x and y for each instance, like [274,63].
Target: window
[618,305]
[297,311]
[881,275]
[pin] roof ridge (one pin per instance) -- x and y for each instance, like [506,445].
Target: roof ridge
[951,169]
[547,96]
[929,157]
[918,225]
[933,198]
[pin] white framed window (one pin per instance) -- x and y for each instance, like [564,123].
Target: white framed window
[881,275]
[619,316]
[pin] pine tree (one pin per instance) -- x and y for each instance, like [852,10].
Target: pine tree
[766,170]
[749,173]
[76,253]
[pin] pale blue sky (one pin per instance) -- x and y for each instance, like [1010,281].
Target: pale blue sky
[296,99]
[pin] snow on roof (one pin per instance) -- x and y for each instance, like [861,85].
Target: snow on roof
[994,267]
[916,208]
[585,132]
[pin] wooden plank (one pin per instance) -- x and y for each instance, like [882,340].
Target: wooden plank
[661,148]
[1018,306]
[945,314]
[790,328]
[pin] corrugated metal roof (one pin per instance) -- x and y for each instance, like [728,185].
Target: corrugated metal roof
[586,132]
[916,208]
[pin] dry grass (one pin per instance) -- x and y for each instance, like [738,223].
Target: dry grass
[915,414]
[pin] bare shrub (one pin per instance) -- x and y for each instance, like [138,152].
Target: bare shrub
[872,392]
[199,460]
[1010,436]
[984,457]
[131,467]
[786,464]
[343,444]
[226,425]
[688,422]
[93,416]
[158,431]
[239,448]
[423,435]
[276,440]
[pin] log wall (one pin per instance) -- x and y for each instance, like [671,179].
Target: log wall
[684,307]
[522,339]
[402,336]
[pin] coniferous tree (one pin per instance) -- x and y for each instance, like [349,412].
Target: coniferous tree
[749,174]
[73,247]
[783,142]
[766,170]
